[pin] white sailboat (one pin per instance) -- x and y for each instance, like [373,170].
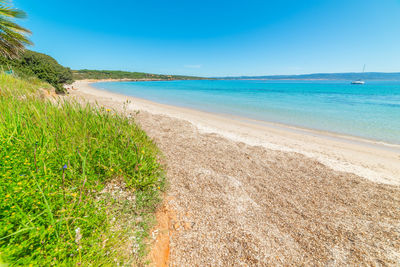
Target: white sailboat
[359,81]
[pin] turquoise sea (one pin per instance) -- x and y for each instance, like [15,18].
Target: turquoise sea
[370,111]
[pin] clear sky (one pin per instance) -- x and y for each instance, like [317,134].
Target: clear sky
[218,37]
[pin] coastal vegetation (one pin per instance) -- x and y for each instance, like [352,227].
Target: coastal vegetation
[44,67]
[116,74]
[79,184]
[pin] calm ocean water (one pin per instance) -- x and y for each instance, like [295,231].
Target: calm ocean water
[370,111]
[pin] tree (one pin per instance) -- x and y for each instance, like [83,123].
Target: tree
[13,37]
[45,68]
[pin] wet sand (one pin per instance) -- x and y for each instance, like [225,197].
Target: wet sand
[244,193]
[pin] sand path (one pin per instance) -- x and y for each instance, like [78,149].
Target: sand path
[237,204]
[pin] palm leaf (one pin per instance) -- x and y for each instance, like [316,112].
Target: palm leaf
[13,37]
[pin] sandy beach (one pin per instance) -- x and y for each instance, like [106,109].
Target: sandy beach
[245,192]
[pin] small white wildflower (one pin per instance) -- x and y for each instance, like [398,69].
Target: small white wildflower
[78,235]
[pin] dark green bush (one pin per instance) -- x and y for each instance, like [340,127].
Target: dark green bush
[41,66]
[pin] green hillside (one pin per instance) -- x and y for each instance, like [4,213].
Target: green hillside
[116,74]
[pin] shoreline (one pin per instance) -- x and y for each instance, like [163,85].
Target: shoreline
[395,147]
[374,160]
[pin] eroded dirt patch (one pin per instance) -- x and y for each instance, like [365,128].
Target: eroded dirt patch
[160,235]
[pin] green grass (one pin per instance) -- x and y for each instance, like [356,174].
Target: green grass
[57,159]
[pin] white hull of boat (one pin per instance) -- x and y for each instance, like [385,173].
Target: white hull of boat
[357,82]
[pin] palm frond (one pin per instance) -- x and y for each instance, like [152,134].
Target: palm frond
[13,37]
[13,26]
[11,13]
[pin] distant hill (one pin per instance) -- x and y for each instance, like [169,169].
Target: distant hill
[116,74]
[328,76]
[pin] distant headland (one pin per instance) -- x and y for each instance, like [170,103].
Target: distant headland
[392,76]
[112,74]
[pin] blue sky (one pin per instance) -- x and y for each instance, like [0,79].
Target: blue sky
[218,38]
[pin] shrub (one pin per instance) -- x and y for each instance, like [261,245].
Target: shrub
[41,66]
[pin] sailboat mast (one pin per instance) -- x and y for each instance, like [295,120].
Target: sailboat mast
[359,81]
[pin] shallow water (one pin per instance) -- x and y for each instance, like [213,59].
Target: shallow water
[370,111]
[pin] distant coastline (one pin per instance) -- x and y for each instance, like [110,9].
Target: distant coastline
[381,76]
[282,79]
[140,76]
[127,75]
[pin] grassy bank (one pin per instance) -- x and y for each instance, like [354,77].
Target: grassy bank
[78,184]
